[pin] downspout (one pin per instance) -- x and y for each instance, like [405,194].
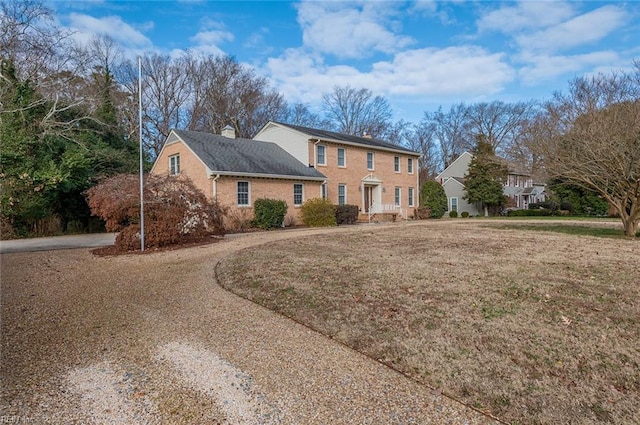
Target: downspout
[215,188]
[315,154]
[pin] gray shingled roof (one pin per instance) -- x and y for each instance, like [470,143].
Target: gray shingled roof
[324,134]
[244,156]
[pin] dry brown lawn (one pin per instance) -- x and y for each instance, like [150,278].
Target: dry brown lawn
[529,325]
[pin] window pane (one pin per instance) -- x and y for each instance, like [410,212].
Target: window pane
[410,165]
[321,155]
[454,204]
[243,193]
[174,164]
[342,194]
[370,160]
[340,157]
[297,194]
[323,190]
[396,164]
[410,197]
[397,196]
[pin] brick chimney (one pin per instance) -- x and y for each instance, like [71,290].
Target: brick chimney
[229,132]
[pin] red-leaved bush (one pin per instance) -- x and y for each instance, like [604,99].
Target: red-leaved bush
[175,210]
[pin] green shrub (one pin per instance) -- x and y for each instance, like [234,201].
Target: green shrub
[432,196]
[453,214]
[268,213]
[530,213]
[465,214]
[318,212]
[548,205]
[346,214]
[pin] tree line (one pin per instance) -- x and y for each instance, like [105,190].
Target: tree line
[69,117]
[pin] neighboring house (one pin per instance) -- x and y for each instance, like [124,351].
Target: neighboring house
[518,187]
[235,171]
[377,176]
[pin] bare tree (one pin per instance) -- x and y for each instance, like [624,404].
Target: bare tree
[299,114]
[450,130]
[423,140]
[499,123]
[357,112]
[596,140]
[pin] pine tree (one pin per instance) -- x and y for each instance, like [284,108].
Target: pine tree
[484,179]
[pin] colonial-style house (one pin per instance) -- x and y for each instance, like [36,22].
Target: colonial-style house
[518,187]
[236,171]
[375,175]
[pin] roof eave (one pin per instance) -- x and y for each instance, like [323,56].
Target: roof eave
[265,176]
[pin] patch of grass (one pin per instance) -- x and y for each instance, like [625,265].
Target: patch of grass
[536,327]
[581,230]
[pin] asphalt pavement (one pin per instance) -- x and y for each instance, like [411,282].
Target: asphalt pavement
[57,242]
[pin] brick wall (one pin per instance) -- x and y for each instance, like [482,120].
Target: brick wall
[355,170]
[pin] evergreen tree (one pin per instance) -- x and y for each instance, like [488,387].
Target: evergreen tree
[433,196]
[485,177]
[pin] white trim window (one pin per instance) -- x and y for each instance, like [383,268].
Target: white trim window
[174,164]
[342,157]
[323,191]
[396,164]
[370,161]
[342,194]
[298,194]
[453,204]
[410,197]
[410,165]
[397,196]
[321,154]
[244,200]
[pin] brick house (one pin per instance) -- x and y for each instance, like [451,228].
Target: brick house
[236,171]
[375,175]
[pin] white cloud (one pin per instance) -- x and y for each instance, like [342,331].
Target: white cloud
[350,30]
[85,27]
[526,15]
[546,68]
[584,29]
[455,71]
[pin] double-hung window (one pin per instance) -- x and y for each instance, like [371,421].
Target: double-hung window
[370,163]
[410,165]
[342,161]
[323,191]
[454,204]
[174,164]
[396,164]
[321,155]
[397,195]
[410,197]
[243,194]
[342,194]
[298,194]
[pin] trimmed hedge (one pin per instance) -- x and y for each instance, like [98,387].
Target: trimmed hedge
[318,212]
[346,214]
[530,213]
[268,213]
[453,214]
[464,214]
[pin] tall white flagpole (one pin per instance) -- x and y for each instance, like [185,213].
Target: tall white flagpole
[141,155]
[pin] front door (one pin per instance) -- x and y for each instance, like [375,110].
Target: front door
[368,197]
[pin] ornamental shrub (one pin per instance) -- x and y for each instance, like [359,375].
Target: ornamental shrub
[346,214]
[318,212]
[175,210]
[432,196]
[530,213]
[464,214]
[453,214]
[269,213]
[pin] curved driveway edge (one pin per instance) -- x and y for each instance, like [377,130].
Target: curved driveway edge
[153,339]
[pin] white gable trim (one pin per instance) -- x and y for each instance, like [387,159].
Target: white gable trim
[452,179]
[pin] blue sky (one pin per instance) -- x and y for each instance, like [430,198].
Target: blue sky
[418,55]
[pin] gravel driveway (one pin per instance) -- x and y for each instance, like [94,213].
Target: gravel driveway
[142,339]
